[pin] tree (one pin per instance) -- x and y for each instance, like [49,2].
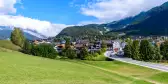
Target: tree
[27,47]
[68,43]
[17,37]
[164,50]
[157,55]
[70,53]
[83,53]
[146,50]
[103,45]
[128,48]
[135,50]
[44,50]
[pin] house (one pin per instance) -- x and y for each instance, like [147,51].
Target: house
[59,47]
[36,42]
[84,42]
[116,46]
[109,44]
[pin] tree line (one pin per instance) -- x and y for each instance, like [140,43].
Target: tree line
[145,51]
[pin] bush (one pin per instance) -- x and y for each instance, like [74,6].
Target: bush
[44,50]
[164,50]
[70,53]
[27,47]
[83,53]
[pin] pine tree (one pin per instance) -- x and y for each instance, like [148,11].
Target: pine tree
[146,50]
[135,50]
[157,55]
[128,48]
[17,37]
[164,50]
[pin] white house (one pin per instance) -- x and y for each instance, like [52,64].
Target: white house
[116,46]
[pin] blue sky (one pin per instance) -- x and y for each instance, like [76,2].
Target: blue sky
[55,11]
[49,17]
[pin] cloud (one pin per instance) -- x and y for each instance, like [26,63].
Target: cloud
[89,22]
[7,6]
[43,27]
[111,10]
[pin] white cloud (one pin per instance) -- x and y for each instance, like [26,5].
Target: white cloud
[44,27]
[7,6]
[90,22]
[111,10]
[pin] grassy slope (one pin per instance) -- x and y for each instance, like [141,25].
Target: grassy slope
[18,68]
[132,71]
[8,45]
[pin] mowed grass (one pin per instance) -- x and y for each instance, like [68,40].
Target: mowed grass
[18,68]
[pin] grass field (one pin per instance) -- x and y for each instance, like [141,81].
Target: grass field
[18,68]
[8,45]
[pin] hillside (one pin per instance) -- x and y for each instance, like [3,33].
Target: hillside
[101,30]
[5,44]
[17,68]
[86,31]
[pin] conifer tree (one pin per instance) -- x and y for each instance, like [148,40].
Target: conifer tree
[17,37]
[135,50]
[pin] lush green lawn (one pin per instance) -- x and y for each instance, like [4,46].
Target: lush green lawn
[18,68]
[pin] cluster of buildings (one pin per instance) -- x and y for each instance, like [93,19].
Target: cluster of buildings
[115,45]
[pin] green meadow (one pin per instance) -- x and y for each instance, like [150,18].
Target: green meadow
[18,68]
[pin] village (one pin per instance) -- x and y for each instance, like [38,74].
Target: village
[116,46]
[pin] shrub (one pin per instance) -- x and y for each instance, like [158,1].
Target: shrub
[44,50]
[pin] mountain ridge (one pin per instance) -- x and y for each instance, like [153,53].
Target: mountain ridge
[135,25]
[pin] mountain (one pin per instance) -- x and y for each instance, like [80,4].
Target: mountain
[115,25]
[5,32]
[152,22]
[86,31]
[92,30]
[155,24]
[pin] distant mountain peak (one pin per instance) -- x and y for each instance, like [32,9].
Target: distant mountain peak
[5,32]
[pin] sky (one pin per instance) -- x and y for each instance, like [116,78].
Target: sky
[49,17]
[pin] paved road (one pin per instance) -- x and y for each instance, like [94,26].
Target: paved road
[156,66]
